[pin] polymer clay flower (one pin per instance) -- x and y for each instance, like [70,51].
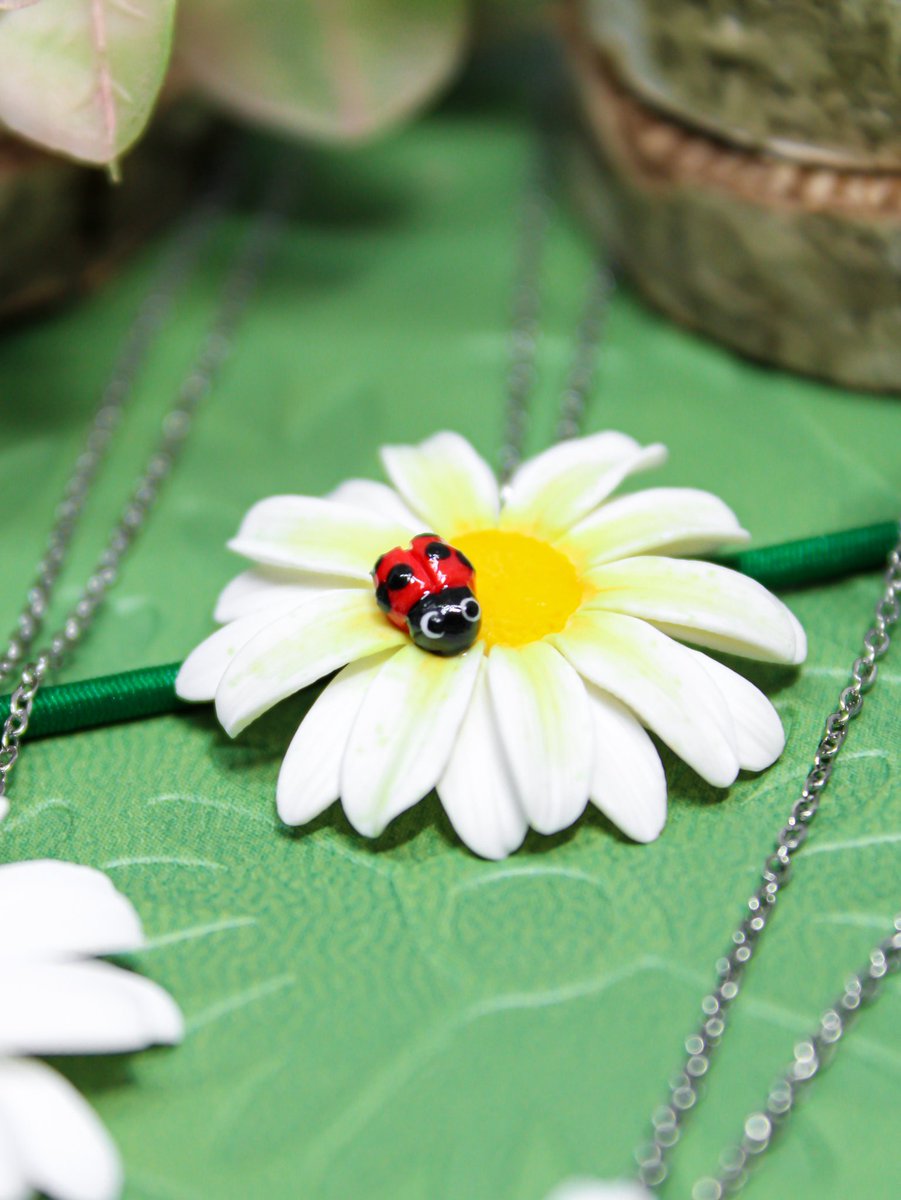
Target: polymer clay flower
[55,917]
[576,616]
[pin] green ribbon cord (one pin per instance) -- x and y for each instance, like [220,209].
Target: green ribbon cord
[150,691]
[816,559]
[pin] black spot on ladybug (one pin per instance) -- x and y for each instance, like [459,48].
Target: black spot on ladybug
[398,578]
[382,599]
[438,550]
[464,560]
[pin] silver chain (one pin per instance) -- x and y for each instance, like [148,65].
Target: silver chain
[150,319]
[811,1055]
[525,328]
[700,1047]
[214,349]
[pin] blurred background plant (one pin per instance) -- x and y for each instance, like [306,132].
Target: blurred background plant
[82,78]
[134,86]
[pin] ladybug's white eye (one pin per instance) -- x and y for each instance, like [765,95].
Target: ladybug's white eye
[431,625]
[471,610]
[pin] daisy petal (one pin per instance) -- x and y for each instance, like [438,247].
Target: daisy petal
[310,777]
[554,490]
[759,735]
[675,520]
[542,714]
[202,671]
[52,909]
[298,648]
[627,781]
[370,496]
[446,483]
[13,1184]
[310,534]
[477,788]
[404,734]
[252,591]
[62,1147]
[702,602]
[107,1009]
[663,684]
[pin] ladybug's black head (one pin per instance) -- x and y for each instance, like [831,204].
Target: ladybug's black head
[445,622]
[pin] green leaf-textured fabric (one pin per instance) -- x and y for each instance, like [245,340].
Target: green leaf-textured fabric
[400,1020]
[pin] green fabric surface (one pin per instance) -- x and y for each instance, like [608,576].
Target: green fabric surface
[399,1020]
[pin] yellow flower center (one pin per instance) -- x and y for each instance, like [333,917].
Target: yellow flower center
[526,588]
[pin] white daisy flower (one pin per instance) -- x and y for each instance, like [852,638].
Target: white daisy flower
[54,918]
[578,654]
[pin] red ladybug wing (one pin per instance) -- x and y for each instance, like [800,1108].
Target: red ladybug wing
[401,580]
[447,566]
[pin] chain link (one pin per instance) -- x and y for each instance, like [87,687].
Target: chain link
[700,1046]
[214,349]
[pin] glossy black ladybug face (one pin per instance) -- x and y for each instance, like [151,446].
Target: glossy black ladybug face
[445,622]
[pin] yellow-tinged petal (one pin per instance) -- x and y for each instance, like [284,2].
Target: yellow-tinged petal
[551,492]
[701,602]
[446,483]
[298,648]
[404,733]
[309,534]
[477,788]
[663,684]
[202,671]
[541,710]
[658,520]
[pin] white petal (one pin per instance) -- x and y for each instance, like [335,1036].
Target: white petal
[446,483]
[82,1008]
[13,1183]
[674,520]
[311,534]
[259,588]
[597,1189]
[477,788]
[374,497]
[661,682]
[310,777]
[702,602]
[298,648]
[63,1148]
[556,489]
[542,713]
[627,780]
[800,639]
[51,909]
[404,734]
[202,671]
[759,735]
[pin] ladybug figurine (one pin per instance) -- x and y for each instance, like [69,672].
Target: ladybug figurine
[427,590]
